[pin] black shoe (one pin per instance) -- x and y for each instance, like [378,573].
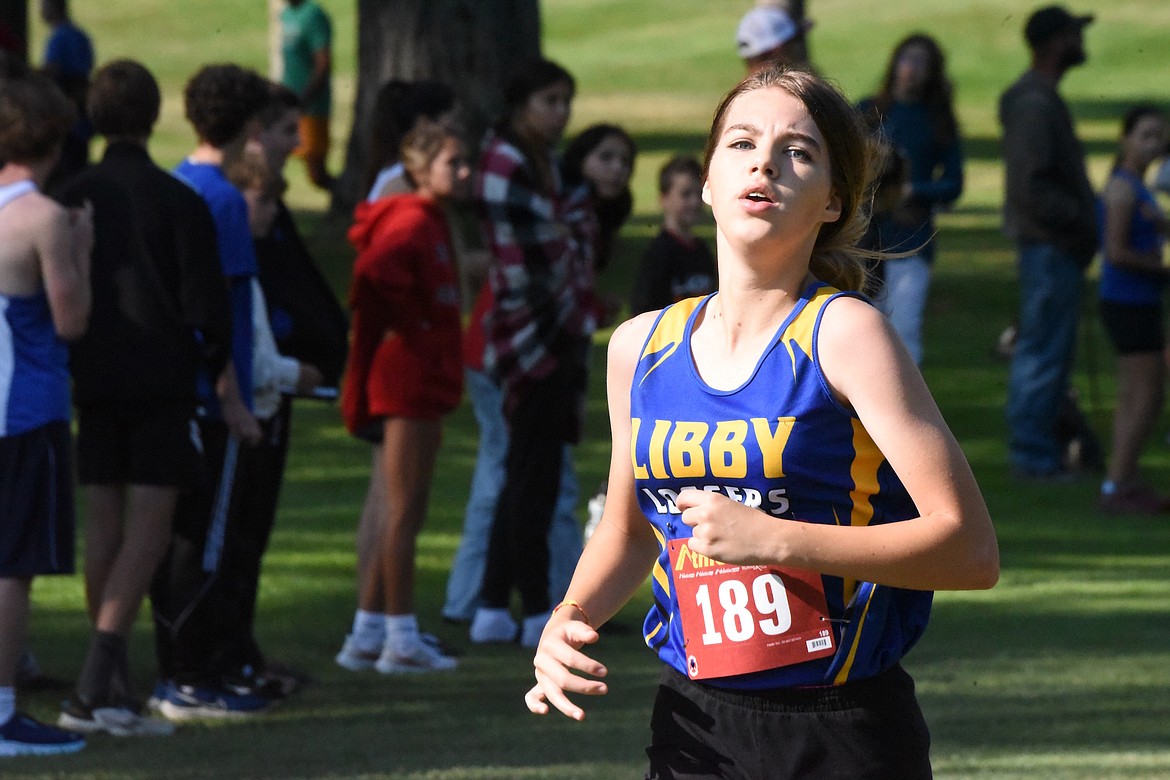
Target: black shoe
[250,684]
[288,678]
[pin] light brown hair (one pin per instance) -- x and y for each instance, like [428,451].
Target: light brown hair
[853,158]
[422,145]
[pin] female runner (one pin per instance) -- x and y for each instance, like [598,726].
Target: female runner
[781,472]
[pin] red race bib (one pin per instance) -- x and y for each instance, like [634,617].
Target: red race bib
[742,619]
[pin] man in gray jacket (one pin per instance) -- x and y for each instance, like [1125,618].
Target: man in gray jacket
[1049,212]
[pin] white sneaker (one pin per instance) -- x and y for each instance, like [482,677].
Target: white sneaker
[492,625]
[122,722]
[421,657]
[532,628]
[117,721]
[355,658]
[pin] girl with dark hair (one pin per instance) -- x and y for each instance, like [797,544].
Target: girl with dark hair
[780,473]
[914,110]
[538,314]
[592,203]
[601,160]
[1133,279]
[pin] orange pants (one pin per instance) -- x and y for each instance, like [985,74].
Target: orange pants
[314,148]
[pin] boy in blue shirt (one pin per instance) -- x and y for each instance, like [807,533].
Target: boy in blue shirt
[221,103]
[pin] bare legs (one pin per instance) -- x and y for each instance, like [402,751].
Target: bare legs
[1140,394]
[393,514]
[410,450]
[369,534]
[385,627]
[128,531]
[121,558]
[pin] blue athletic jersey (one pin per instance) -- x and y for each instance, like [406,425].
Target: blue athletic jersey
[1122,284]
[782,443]
[237,257]
[34,366]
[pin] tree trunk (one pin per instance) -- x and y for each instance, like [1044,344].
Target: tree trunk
[472,45]
[14,28]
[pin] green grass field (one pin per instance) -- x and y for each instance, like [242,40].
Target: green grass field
[1061,671]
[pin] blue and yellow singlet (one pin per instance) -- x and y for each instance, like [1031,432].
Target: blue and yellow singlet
[781,443]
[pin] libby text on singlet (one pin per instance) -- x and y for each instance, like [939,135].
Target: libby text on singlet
[681,449]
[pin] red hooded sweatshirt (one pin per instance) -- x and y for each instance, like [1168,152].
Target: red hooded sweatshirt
[405,355]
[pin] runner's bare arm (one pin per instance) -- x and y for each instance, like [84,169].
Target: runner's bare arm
[615,562]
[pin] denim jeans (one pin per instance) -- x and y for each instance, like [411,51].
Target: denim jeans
[564,536]
[1050,307]
[907,281]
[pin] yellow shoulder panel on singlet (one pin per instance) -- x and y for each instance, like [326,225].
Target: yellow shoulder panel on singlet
[668,332]
[799,333]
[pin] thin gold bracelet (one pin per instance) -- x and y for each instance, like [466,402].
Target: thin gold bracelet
[572,603]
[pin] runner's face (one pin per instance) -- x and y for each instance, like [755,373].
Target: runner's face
[770,172]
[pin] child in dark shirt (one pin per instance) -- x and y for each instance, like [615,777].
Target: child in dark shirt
[159,298]
[677,264]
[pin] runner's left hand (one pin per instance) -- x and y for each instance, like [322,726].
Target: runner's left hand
[727,530]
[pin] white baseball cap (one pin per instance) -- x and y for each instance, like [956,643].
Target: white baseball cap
[764,28]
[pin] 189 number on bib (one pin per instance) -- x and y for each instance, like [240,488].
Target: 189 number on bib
[768,597]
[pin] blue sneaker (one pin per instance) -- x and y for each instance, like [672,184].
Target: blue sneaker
[23,736]
[192,702]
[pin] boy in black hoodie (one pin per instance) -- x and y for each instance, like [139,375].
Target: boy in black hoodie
[160,313]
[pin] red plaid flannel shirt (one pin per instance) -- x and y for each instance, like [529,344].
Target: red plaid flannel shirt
[542,274]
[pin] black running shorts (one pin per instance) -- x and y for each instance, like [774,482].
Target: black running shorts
[1133,327]
[866,730]
[138,444]
[36,502]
